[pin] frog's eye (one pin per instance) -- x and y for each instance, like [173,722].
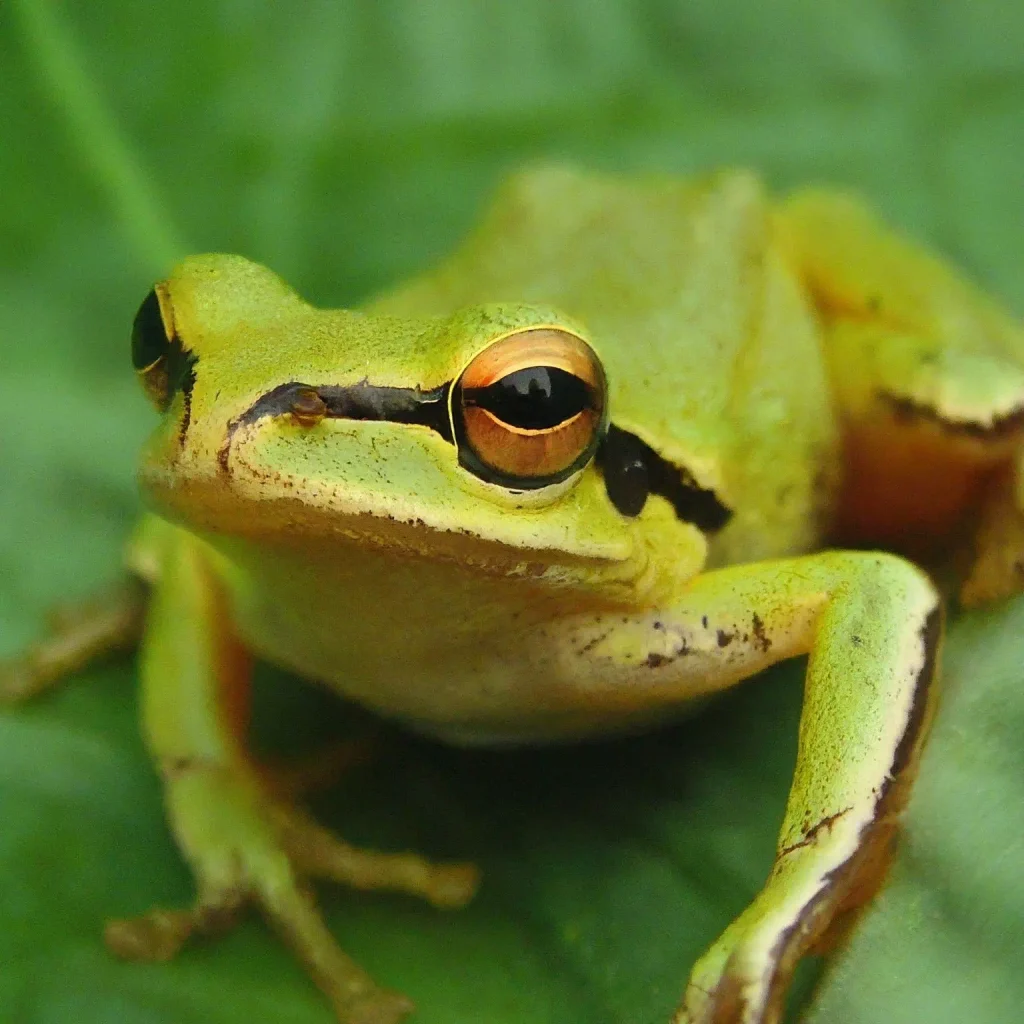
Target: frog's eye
[159,359]
[530,410]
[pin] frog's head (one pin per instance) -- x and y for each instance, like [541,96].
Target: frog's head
[486,437]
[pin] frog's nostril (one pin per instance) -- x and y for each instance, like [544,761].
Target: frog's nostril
[307,407]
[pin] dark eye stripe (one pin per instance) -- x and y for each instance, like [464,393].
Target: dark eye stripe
[362,401]
[632,470]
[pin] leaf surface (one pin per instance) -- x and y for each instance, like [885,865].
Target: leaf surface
[348,145]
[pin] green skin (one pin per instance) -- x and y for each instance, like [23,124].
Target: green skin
[362,554]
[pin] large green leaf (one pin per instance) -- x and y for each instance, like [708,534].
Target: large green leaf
[347,144]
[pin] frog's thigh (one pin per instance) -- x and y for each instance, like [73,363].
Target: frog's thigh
[242,844]
[928,373]
[871,624]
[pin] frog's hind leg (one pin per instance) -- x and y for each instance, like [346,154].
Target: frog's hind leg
[77,637]
[245,845]
[929,378]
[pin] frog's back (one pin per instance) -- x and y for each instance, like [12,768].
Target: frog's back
[710,347]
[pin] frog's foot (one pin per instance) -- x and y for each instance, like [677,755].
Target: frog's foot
[244,848]
[77,636]
[741,979]
[810,900]
[998,568]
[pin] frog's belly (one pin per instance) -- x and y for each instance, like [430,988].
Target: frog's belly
[468,659]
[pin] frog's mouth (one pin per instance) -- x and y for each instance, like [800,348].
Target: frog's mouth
[632,469]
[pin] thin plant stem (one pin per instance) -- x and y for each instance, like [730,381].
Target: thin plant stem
[105,152]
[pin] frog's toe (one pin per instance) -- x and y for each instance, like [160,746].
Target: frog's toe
[722,1005]
[734,999]
[739,981]
[452,885]
[319,853]
[352,992]
[998,568]
[157,937]
[380,1008]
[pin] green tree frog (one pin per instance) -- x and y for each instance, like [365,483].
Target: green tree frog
[579,476]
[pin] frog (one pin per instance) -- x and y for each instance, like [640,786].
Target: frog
[638,438]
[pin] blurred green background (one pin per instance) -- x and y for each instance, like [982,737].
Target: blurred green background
[348,144]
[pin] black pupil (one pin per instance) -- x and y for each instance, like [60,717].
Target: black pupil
[534,398]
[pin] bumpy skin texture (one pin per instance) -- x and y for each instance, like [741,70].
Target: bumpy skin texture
[800,362]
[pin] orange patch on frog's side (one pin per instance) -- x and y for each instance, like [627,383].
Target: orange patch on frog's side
[909,480]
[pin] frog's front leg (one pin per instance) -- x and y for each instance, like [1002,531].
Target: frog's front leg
[871,624]
[242,844]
